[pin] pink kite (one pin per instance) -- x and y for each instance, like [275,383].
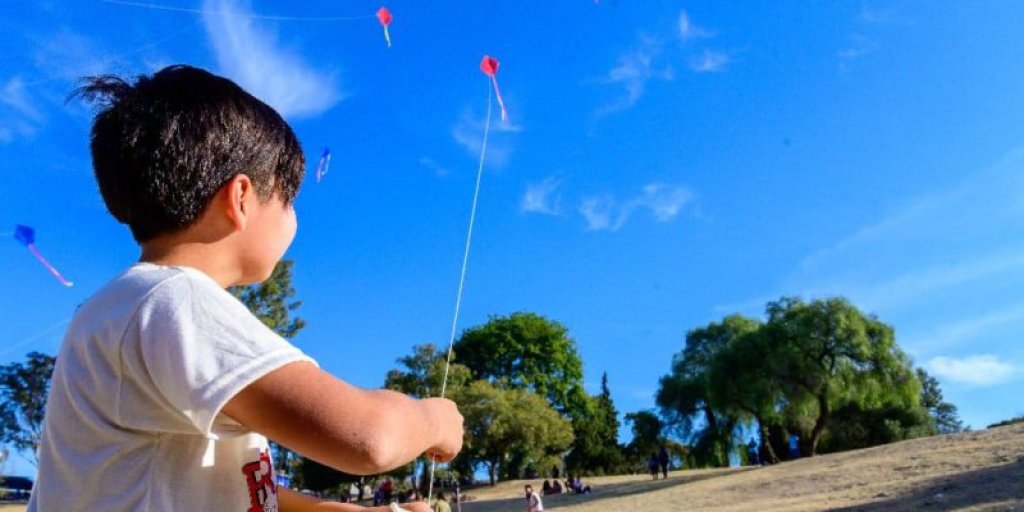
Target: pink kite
[384,16]
[27,237]
[489,65]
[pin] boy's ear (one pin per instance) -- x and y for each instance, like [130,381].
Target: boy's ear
[239,193]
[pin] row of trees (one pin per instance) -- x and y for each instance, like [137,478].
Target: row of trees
[821,370]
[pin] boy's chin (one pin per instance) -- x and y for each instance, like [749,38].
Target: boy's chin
[256,277]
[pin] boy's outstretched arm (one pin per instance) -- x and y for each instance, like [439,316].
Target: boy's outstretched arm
[354,430]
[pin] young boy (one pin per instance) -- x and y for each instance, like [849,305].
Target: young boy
[166,388]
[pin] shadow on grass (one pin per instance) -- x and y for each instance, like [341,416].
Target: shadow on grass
[993,488]
[601,492]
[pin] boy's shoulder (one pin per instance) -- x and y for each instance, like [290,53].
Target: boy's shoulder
[143,281]
[146,286]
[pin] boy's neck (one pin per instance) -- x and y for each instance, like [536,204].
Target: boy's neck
[208,258]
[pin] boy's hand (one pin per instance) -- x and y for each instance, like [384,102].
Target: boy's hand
[448,423]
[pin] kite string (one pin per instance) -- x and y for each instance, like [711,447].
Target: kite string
[462,277]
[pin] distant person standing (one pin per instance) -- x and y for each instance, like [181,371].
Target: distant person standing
[441,505]
[652,465]
[533,502]
[663,461]
[794,446]
[753,453]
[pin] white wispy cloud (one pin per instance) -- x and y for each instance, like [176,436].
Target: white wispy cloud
[878,16]
[14,95]
[250,55]
[597,211]
[20,114]
[943,334]
[976,370]
[688,30]
[633,71]
[709,62]
[438,169]
[606,213]
[468,132]
[858,47]
[542,197]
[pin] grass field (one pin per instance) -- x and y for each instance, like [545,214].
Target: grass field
[976,471]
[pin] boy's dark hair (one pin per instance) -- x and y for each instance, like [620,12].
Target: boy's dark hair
[163,146]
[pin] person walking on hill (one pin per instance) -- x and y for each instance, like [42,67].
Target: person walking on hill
[652,465]
[663,461]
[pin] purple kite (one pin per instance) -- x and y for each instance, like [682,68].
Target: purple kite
[27,236]
[325,163]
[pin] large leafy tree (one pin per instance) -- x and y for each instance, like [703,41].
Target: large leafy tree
[273,302]
[685,397]
[24,388]
[742,383]
[527,351]
[828,355]
[509,425]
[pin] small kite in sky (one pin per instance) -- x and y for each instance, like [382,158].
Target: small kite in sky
[27,237]
[384,16]
[325,163]
[489,65]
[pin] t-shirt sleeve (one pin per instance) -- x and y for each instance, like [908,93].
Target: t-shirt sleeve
[191,349]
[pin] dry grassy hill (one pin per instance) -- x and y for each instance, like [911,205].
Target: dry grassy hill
[977,471]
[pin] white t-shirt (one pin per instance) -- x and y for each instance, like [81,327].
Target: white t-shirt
[534,503]
[133,420]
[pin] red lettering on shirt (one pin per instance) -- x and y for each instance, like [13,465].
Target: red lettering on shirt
[259,477]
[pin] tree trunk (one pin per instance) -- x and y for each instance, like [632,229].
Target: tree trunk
[824,413]
[767,442]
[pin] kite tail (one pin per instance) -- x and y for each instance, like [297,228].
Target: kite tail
[462,277]
[501,103]
[387,36]
[49,267]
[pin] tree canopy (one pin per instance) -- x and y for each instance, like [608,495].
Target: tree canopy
[24,388]
[526,350]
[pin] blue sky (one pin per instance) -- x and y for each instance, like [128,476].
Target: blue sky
[665,163]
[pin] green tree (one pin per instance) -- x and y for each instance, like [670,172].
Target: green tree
[944,414]
[685,397]
[272,302]
[24,388]
[502,424]
[647,438]
[424,371]
[741,383]
[421,376]
[828,355]
[526,350]
[595,449]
